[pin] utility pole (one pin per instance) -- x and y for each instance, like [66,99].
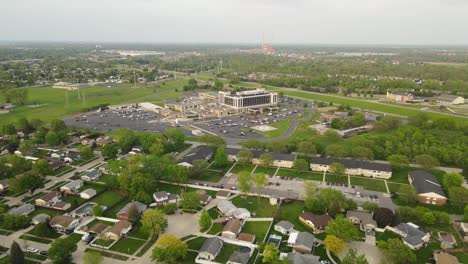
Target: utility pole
[134,79]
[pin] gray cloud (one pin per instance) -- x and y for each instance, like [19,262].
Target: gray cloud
[238,21]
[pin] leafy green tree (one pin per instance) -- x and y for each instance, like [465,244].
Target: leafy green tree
[57,125]
[42,167]
[306,147]
[301,164]
[92,258]
[396,251]
[16,96]
[427,161]
[26,182]
[337,168]
[342,228]
[9,129]
[86,152]
[458,196]
[245,156]
[204,221]
[370,206]
[169,249]
[357,120]
[220,158]
[245,181]
[127,139]
[60,249]
[190,200]
[169,208]
[383,217]
[52,139]
[176,137]
[334,244]
[420,119]
[452,180]
[266,159]
[335,150]
[26,147]
[328,200]
[338,123]
[353,258]
[133,214]
[465,213]
[428,218]
[199,167]
[155,221]
[398,160]
[407,194]
[212,140]
[42,230]
[16,254]
[270,254]
[110,151]
[9,221]
[259,180]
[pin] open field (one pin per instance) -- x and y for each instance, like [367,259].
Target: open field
[55,103]
[361,103]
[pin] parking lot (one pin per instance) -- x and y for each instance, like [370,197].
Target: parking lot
[240,126]
[131,118]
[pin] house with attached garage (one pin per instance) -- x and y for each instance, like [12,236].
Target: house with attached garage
[302,242]
[88,194]
[353,167]
[62,223]
[72,187]
[316,222]
[92,175]
[122,214]
[118,230]
[24,209]
[240,256]
[48,199]
[363,219]
[284,227]
[210,249]
[163,197]
[232,228]
[427,187]
[412,236]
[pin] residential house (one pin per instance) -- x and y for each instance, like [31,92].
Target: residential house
[210,249]
[88,194]
[232,228]
[92,175]
[164,197]
[40,218]
[123,213]
[412,236]
[241,213]
[279,159]
[448,99]
[226,207]
[99,230]
[62,223]
[118,230]
[427,187]
[103,140]
[3,185]
[24,209]
[205,199]
[363,219]
[61,205]
[68,156]
[284,227]
[200,153]
[316,222]
[48,199]
[136,150]
[240,256]
[297,258]
[353,167]
[301,242]
[445,258]
[72,187]
[223,194]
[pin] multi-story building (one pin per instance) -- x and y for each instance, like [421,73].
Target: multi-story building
[242,101]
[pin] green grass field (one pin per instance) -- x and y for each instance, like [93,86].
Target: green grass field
[256,208]
[290,212]
[196,243]
[242,167]
[107,199]
[369,184]
[366,104]
[266,170]
[209,175]
[281,126]
[307,175]
[259,229]
[226,252]
[127,245]
[52,103]
[216,228]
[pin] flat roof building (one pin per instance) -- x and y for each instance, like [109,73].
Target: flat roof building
[248,99]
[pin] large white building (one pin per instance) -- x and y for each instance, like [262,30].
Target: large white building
[248,99]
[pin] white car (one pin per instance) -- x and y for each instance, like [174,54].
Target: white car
[32,250]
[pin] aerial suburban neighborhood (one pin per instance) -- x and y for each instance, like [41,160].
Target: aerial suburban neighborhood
[128,135]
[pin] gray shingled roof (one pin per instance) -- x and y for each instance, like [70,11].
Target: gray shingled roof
[413,235]
[285,224]
[200,153]
[425,182]
[297,258]
[305,239]
[140,206]
[212,245]
[240,257]
[351,163]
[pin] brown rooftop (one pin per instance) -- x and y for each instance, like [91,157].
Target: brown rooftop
[119,227]
[98,228]
[317,220]
[48,196]
[61,220]
[246,237]
[233,225]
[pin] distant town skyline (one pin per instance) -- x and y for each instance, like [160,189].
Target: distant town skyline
[345,22]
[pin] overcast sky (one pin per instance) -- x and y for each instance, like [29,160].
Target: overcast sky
[237,21]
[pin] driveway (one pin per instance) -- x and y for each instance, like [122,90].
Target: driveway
[372,253]
[181,225]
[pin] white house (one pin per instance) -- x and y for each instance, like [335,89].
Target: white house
[72,187]
[88,194]
[210,249]
[241,213]
[24,209]
[284,227]
[62,223]
[92,175]
[226,207]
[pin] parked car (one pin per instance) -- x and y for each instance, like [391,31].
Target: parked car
[32,250]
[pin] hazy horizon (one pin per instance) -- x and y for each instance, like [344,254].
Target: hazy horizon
[242,22]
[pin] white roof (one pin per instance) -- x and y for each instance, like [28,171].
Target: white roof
[293,237]
[89,192]
[226,206]
[241,213]
[185,164]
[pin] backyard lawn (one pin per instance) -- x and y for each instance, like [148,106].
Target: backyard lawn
[307,175]
[226,252]
[210,175]
[216,228]
[242,167]
[96,186]
[127,245]
[336,178]
[258,208]
[369,184]
[291,212]
[259,229]
[196,243]
[108,198]
[266,170]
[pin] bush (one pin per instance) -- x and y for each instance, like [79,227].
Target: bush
[169,208]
